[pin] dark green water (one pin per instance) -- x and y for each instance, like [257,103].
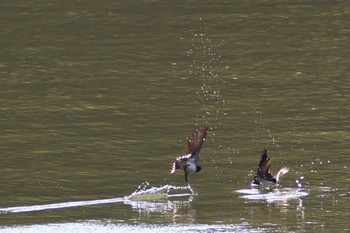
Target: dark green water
[97,98]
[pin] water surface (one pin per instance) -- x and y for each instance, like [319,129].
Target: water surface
[96,99]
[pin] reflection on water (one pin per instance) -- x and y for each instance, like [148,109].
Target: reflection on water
[277,198]
[159,206]
[101,227]
[172,202]
[178,207]
[175,211]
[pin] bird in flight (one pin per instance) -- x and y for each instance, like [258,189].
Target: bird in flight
[188,160]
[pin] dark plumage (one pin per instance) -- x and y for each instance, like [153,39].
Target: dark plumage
[263,175]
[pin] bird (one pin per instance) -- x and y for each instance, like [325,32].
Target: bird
[188,160]
[263,175]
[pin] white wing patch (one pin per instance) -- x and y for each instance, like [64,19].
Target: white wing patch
[180,162]
[184,157]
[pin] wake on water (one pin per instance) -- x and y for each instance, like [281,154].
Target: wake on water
[143,194]
[272,195]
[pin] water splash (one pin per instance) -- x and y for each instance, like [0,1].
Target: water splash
[273,195]
[163,199]
[262,129]
[298,181]
[146,193]
[208,68]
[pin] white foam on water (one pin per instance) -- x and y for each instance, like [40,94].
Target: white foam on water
[161,199]
[156,193]
[248,191]
[148,194]
[273,195]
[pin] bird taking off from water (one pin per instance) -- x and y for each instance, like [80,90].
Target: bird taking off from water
[263,175]
[188,160]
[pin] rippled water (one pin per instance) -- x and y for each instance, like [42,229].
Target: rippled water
[96,100]
[111,227]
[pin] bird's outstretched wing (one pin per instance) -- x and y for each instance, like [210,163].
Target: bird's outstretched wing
[179,163]
[195,142]
[264,166]
[193,146]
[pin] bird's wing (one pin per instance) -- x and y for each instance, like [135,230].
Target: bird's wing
[179,163]
[193,145]
[195,142]
[264,165]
